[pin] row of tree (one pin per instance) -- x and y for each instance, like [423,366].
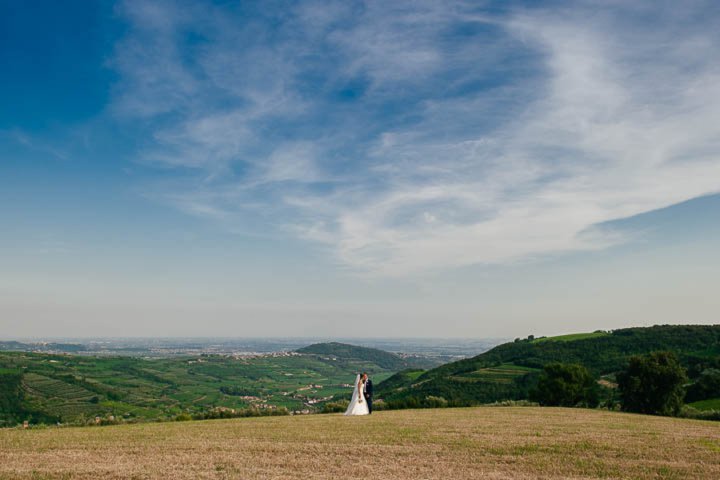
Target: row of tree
[12,405]
[655,383]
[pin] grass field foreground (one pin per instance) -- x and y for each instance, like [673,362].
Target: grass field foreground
[483,442]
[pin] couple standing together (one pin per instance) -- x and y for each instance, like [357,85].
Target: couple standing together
[361,403]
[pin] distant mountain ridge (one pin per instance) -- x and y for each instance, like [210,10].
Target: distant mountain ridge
[15,346]
[509,371]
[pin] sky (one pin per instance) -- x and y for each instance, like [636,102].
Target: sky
[368,169]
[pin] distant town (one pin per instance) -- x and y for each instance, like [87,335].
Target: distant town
[447,349]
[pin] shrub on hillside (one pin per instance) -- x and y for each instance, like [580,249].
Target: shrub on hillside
[220,413]
[653,384]
[432,401]
[238,391]
[335,407]
[512,403]
[379,404]
[566,385]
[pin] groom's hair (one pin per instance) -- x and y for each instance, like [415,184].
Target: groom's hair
[363,374]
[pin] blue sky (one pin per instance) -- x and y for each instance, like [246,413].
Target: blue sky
[357,168]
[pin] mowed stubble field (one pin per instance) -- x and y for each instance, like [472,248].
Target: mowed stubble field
[485,442]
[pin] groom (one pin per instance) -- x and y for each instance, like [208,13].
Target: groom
[368,391]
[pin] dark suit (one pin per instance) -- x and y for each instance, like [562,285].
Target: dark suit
[369,394]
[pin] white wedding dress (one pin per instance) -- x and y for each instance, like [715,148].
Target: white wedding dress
[358,404]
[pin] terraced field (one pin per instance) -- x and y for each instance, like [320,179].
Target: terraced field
[470,443]
[62,398]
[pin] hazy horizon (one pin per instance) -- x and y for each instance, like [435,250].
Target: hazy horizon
[367,170]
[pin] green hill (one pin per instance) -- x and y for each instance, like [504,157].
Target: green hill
[345,352]
[509,371]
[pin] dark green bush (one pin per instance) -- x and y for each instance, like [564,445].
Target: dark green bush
[653,384]
[566,385]
[335,407]
[706,386]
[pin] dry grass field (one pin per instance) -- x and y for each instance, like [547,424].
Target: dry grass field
[487,442]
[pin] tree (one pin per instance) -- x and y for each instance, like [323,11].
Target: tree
[653,384]
[566,385]
[706,386]
[11,397]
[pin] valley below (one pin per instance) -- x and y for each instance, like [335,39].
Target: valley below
[77,389]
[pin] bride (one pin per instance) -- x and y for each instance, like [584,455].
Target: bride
[358,405]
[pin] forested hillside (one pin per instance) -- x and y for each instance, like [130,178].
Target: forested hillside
[386,360]
[509,371]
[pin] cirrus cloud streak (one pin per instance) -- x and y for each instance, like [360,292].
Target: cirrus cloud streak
[416,137]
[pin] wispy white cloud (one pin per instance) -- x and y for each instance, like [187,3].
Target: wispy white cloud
[475,138]
[31,142]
